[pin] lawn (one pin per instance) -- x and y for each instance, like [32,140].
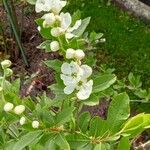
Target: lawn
[127,44]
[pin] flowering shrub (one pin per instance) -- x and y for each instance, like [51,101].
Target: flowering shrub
[60,123]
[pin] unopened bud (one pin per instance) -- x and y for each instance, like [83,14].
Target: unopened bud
[19,109]
[5,64]
[79,54]
[22,120]
[8,107]
[54,46]
[35,124]
[8,72]
[70,53]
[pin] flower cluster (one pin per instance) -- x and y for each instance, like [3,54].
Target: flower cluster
[75,76]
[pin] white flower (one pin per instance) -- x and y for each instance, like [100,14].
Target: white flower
[5,64]
[85,90]
[8,107]
[54,46]
[75,77]
[35,124]
[22,120]
[49,20]
[19,109]
[70,53]
[79,54]
[56,31]
[71,75]
[66,21]
[42,5]
[57,5]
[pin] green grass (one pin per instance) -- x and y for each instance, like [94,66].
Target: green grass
[128,39]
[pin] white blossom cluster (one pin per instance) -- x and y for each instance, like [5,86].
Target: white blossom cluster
[75,76]
[18,110]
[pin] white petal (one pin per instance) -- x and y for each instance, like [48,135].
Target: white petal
[85,90]
[57,5]
[67,79]
[69,89]
[49,19]
[65,20]
[87,71]
[66,69]
[76,26]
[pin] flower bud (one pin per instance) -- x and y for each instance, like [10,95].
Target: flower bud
[8,107]
[35,124]
[39,28]
[103,40]
[56,31]
[49,20]
[5,64]
[22,120]
[19,109]
[54,46]
[79,54]
[70,53]
[8,72]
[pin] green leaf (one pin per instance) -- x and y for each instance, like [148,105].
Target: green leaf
[26,140]
[103,82]
[84,120]
[54,64]
[50,145]
[45,32]
[100,147]
[135,125]
[76,16]
[118,112]
[98,127]
[77,141]
[45,45]
[124,144]
[83,26]
[64,116]
[61,141]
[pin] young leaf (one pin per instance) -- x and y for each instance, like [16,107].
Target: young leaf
[135,125]
[103,82]
[83,26]
[124,144]
[26,140]
[118,112]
